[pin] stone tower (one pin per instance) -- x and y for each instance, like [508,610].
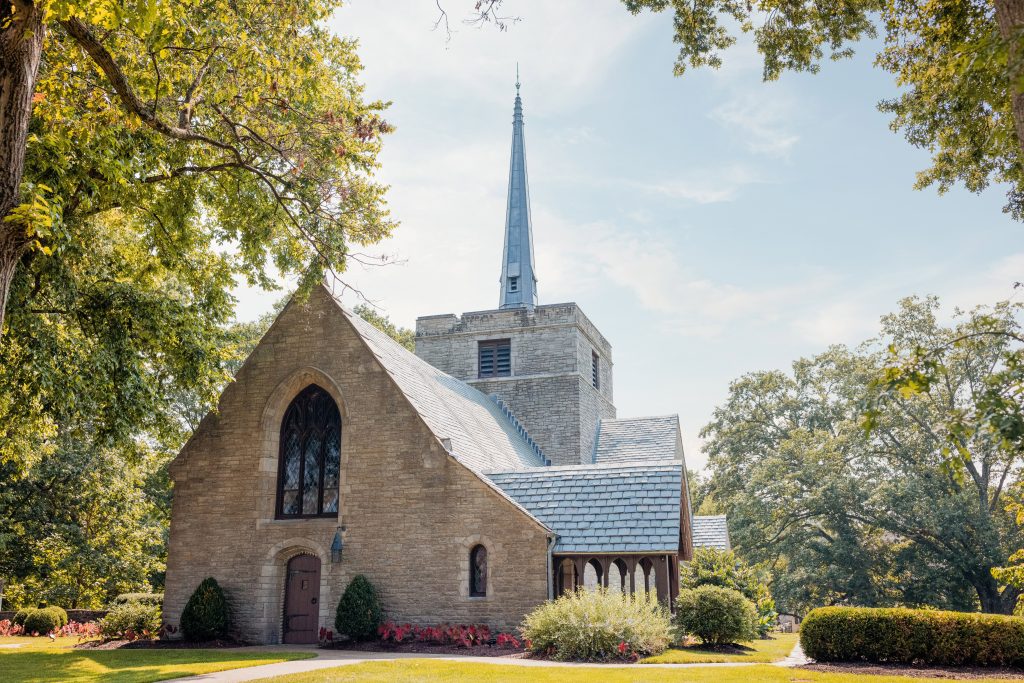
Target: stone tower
[546,364]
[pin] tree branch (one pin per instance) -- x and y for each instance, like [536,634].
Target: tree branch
[112,70]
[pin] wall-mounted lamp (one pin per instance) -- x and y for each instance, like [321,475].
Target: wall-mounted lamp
[337,545]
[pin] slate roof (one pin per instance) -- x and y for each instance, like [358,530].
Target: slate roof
[482,437]
[637,438]
[609,508]
[711,532]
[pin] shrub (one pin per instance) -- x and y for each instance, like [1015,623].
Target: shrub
[62,615]
[207,615]
[145,598]
[359,610]
[46,620]
[716,615]
[713,567]
[21,615]
[908,636]
[598,625]
[131,620]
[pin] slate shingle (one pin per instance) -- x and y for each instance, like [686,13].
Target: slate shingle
[590,518]
[638,439]
[711,532]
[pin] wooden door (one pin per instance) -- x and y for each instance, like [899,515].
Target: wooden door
[302,600]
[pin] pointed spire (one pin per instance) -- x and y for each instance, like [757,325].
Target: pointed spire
[518,281]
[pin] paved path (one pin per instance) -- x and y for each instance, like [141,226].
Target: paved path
[326,659]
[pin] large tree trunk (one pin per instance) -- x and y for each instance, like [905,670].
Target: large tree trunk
[996,601]
[21,48]
[1010,17]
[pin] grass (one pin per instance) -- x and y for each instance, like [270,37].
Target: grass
[39,660]
[435,671]
[774,650]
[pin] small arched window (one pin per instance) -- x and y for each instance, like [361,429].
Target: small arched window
[310,457]
[478,572]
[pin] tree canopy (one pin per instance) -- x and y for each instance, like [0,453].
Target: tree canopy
[237,126]
[844,515]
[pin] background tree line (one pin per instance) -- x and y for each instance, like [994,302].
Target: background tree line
[853,492]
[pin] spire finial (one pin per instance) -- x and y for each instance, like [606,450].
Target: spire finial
[517,79]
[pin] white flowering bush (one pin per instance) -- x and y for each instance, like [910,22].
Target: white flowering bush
[598,625]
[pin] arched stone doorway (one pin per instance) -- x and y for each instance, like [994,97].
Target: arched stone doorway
[302,600]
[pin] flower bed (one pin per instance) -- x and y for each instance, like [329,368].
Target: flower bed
[466,639]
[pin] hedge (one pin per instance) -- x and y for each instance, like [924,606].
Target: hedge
[145,598]
[908,636]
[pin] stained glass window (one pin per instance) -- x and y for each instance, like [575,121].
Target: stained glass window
[310,459]
[478,572]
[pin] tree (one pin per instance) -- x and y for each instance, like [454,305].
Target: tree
[237,124]
[843,515]
[402,335]
[111,357]
[960,66]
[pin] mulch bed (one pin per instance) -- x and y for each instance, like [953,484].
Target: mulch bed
[157,645]
[427,648]
[947,672]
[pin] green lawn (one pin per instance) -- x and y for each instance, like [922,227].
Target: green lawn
[40,661]
[773,650]
[435,671]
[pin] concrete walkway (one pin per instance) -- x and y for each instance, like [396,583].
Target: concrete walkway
[326,659]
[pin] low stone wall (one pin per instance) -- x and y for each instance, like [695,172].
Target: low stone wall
[79,615]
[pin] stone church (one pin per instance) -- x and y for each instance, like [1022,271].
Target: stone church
[469,481]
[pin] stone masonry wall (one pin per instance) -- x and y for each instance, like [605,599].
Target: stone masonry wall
[411,512]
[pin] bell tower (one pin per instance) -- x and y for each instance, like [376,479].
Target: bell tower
[547,365]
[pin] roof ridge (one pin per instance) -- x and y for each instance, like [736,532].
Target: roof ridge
[603,466]
[641,417]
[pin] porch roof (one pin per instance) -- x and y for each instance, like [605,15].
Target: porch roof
[603,508]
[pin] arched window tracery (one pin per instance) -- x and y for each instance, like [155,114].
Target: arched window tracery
[309,464]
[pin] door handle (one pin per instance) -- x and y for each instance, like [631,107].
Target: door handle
[312,601]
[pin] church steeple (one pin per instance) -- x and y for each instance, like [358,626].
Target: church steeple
[518,281]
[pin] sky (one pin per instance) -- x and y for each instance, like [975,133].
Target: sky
[709,225]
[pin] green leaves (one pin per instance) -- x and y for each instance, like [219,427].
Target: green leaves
[909,510]
[954,66]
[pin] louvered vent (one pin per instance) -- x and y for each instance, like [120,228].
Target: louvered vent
[495,358]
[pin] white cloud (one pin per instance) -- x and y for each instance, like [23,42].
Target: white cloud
[557,65]
[763,122]
[708,186]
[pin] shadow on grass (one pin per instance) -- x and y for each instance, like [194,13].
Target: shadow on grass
[129,666]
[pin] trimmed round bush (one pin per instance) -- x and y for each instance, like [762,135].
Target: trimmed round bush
[598,625]
[207,615]
[46,620]
[145,598]
[131,620]
[21,615]
[62,615]
[716,615]
[359,610]
[910,636]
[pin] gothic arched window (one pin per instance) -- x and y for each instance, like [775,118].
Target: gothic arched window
[478,572]
[310,457]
